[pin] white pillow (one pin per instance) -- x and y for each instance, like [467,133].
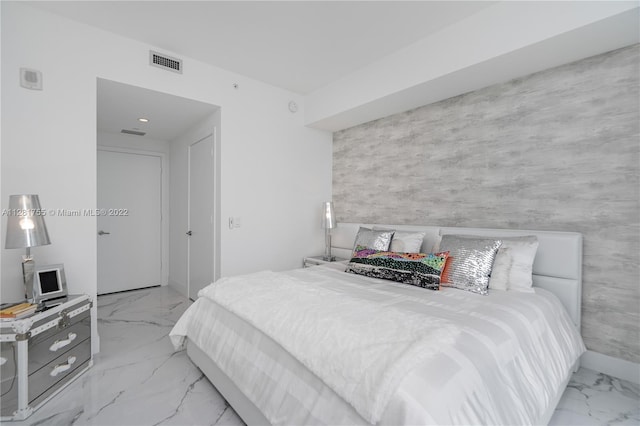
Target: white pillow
[513,266]
[406,241]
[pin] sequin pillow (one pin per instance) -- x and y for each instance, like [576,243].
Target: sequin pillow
[376,239]
[471,263]
[419,269]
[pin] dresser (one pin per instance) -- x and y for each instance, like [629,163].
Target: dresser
[42,353]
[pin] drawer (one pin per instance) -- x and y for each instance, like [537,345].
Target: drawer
[55,341]
[59,368]
[58,318]
[8,378]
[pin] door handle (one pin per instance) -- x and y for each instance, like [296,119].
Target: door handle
[101,232]
[189,233]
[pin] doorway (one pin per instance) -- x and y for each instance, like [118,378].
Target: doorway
[139,120]
[129,221]
[201,218]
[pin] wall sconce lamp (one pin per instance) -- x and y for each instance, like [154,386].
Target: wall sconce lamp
[328,223]
[26,229]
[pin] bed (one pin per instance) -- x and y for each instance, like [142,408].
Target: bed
[500,358]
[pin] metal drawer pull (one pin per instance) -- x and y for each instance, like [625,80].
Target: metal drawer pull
[62,343]
[61,368]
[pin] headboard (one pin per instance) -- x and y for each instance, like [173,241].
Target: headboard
[557,266]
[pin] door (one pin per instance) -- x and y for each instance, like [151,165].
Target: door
[200,233]
[129,221]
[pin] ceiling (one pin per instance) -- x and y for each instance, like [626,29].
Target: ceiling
[301,46]
[121,105]
[297,45]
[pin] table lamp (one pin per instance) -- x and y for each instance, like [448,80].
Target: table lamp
[26,229]
[328,223]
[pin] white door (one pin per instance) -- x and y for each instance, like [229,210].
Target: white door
[129,221]
[200,247]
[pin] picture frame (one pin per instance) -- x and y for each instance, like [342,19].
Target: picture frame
[49,282]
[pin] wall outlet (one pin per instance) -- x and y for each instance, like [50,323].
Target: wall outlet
[235,222]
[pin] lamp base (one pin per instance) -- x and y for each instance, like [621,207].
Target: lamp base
[327,246]
[28,267]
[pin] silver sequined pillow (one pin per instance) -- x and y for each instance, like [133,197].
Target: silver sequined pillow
[471,260]
[373,239]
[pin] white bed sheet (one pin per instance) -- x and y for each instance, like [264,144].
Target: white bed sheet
[512,353]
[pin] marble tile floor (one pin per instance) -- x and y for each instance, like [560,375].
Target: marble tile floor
[137,378]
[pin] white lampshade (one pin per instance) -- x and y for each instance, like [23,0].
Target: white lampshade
[328,215]
[25,223]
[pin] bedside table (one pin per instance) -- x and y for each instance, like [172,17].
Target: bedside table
[42,353]
[318,260]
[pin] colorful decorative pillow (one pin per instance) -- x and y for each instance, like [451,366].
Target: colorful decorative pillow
[444,276]
[419,269]
[373,239]
[472,261]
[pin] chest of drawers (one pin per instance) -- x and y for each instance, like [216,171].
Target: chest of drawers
[41,354]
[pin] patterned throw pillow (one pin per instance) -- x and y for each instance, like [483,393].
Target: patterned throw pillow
[419,269]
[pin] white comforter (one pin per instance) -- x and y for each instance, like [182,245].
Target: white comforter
[389,353]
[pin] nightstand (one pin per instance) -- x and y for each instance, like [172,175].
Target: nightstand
[42,353]
[318,260]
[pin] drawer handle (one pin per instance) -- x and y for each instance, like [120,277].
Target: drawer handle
[62,343]
[61,368]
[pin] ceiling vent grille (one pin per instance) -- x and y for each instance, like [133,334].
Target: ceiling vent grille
[165,62]
[133,132]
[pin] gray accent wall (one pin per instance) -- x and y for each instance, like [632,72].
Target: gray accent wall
[555,150]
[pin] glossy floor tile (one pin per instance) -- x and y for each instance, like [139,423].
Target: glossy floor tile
[597,399]
[137,378]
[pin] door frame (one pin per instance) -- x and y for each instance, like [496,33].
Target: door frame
[215,225]
[164,201]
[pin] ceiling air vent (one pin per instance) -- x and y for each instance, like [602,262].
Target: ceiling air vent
[133,132]
[165,62]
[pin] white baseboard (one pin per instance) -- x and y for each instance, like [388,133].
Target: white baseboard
[616,367]
[179,287]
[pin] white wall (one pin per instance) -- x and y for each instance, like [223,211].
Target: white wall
[274,173]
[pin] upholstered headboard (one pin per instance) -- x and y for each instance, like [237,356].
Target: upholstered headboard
[557,266]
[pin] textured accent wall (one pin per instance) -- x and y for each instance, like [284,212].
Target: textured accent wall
[555,150]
